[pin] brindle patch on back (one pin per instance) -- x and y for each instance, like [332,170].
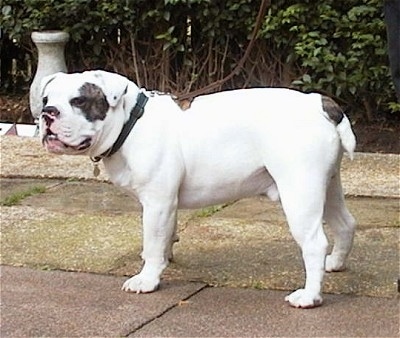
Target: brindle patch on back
[333,110]
[92,102]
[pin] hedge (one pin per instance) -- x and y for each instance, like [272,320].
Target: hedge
[334,46]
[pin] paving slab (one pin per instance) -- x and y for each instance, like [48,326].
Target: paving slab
[248,244]
[84,224]
[69,304]
[94,227]
[9,187]
[230,312]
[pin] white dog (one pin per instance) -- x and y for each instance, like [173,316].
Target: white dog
[230,145]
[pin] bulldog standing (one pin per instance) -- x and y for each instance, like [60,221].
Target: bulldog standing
[230,145]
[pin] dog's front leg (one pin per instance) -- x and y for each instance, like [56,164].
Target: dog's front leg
[159,222]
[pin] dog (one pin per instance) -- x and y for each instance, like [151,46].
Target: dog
[277,142]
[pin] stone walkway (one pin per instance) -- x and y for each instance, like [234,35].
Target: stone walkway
[67,248]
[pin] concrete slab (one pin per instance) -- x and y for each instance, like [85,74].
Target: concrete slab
[10,186]
[72,197]
[228,312]
[68,304]
[248,244]
[38,237]
[94,227]
[73,225]
[371,175]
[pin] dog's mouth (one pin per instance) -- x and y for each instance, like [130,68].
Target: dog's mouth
[52,142]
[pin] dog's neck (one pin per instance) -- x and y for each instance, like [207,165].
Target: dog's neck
[135,114]
[132,105]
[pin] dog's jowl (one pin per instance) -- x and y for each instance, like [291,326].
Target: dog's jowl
[226,146]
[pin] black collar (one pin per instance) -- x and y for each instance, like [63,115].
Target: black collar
[135,114]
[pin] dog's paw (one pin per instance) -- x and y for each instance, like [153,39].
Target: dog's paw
[333,264]
[304,299]
[141,284]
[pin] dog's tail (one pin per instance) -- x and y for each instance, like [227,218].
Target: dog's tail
[347,136]
[335,114]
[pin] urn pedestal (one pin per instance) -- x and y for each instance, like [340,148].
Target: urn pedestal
[50,46]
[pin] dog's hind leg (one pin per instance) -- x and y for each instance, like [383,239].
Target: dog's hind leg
[174,239]
[302,198]
[342,224]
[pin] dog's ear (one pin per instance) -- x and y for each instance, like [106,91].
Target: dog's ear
[114,86]
[45,81]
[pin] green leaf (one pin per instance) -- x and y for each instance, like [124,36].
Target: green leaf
[306,78]
[171,29]
[6,10]
[297,82]
[166,45]
[167,15]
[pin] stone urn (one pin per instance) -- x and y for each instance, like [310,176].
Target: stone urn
[50,45]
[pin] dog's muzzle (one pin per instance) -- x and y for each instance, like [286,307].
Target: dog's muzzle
[51,139]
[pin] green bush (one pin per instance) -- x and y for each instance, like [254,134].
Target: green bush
[340,47]
[334,46]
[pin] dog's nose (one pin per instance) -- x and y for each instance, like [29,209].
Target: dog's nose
[49,114]
[51,110]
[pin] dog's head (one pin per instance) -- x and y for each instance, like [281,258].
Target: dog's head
[78,106]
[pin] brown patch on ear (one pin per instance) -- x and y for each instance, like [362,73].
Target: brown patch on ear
[92,102]
[333,110]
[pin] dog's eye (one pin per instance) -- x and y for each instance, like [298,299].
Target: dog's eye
[44,100]
[78,101]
